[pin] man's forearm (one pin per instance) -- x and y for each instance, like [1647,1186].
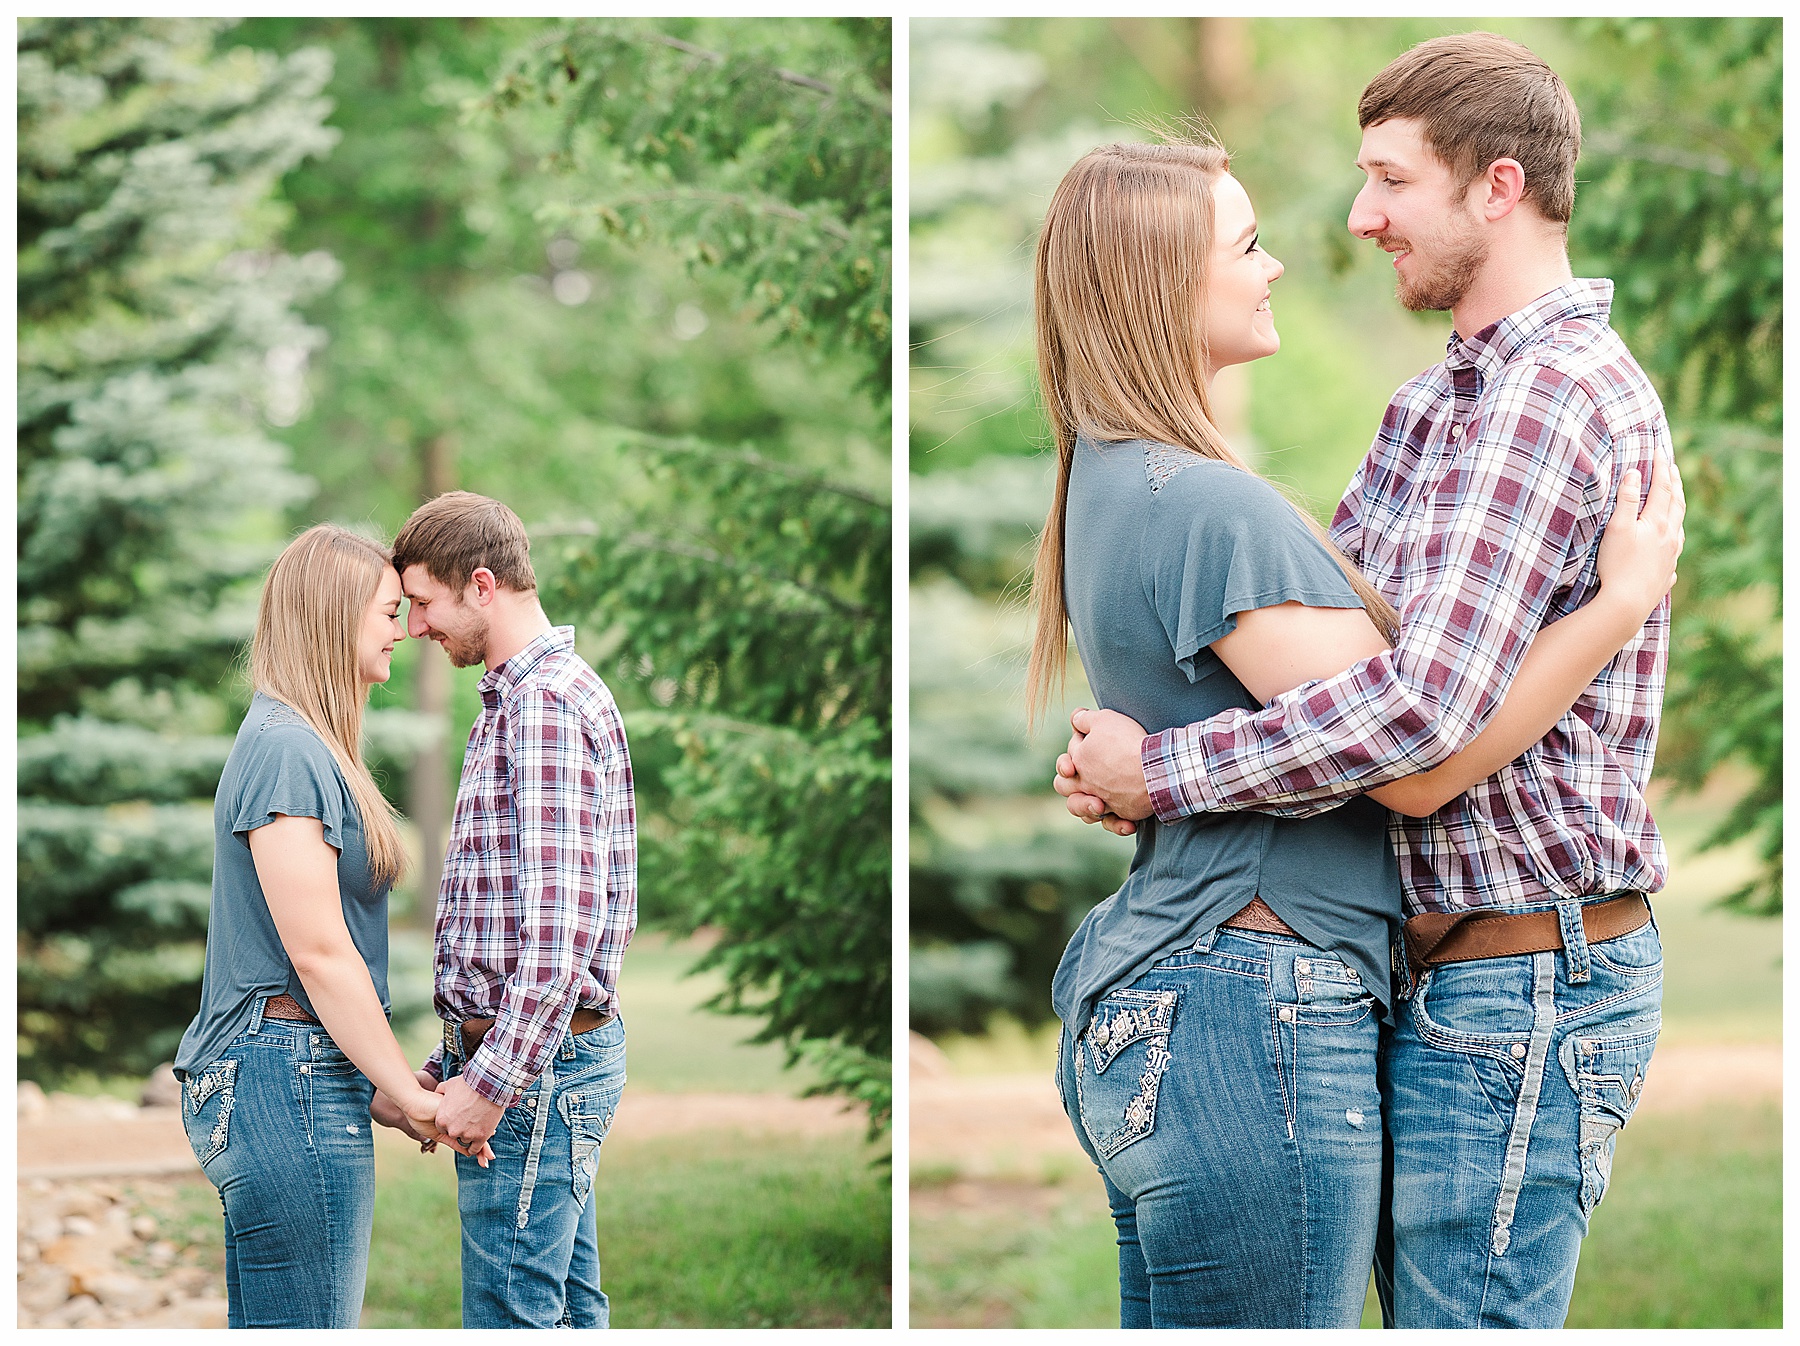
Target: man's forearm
[1309,750]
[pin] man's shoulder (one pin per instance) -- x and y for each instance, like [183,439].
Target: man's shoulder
[1583,353]
[563,683]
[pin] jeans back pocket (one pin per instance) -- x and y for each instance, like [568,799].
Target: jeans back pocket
[1607,1073]
[1126,1048]
[206,1102]
[588,1111]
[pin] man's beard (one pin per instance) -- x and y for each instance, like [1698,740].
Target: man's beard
[1456,262]
[469,647]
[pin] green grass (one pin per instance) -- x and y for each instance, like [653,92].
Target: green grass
[713,1230]
[1689,1235]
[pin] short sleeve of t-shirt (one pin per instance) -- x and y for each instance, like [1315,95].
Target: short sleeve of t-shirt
[1223,542]
[290,771]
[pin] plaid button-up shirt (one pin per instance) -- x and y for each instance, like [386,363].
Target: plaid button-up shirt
[1477,513]
[539,895]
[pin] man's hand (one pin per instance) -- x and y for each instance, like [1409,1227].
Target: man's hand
[1103,771]
[467,1119]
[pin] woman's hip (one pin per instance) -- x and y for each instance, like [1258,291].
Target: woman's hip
[1258,1047]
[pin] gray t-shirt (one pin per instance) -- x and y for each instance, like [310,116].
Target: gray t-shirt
[1163,548]
[278,765]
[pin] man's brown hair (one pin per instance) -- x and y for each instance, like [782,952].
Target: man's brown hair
[1482,97]
[459,532]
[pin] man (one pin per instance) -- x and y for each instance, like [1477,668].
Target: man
[1531,986]
[537,903]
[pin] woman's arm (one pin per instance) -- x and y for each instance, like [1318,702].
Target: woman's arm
[1275,649]
[297,868]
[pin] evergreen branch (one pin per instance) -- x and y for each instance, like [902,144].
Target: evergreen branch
[707,556]
[748,204]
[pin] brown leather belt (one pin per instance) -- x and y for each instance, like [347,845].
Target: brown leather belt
[1463,937]
[286,1007]
[1259,915]
[474,1030]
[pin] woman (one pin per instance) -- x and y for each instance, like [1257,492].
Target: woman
[1220,1011]
[281,1064]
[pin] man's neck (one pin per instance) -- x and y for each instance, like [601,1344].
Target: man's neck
[517,623]
[1517,274]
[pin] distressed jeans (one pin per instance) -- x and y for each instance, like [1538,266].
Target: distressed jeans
[1507,1081]
[1228,1097]
[280,1125]
[530,1256]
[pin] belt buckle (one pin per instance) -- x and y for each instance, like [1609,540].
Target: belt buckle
[452,1038]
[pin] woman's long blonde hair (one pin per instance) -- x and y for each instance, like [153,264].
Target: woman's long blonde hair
[1121,342]
[304,655]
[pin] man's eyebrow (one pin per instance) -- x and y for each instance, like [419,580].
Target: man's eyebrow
[1376,163]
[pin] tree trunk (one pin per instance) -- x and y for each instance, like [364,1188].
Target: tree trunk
[430,797]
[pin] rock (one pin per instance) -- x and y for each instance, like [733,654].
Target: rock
[79,1310]
[122,1293]
[78,1226]
[162,1089]
[28,1249]
[162,1253]
[42,1287]
[32,1103]
[206,1313]
[144,1227]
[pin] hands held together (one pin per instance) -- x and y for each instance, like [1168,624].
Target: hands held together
[1101,776]
[441,1111]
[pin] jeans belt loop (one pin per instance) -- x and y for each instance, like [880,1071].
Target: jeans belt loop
[256,1013]
[1205,942]
[1574,937]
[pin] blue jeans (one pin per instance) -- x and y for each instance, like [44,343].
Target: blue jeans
[1507,1082]
[1228,1097]
[530,1257]
[280,1125]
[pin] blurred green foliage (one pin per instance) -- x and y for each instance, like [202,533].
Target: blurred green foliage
[158,334]
[1679,204]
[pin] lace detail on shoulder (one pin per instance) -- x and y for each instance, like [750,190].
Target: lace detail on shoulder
[1163,461]
[280,713]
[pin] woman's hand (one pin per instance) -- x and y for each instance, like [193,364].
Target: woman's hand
[385,1112]
[1638,552]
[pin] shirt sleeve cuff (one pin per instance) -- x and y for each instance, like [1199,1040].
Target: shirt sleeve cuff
[434,1064]
[1167,796]
[490,1084]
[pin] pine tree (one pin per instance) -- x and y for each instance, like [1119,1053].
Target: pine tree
[157,335]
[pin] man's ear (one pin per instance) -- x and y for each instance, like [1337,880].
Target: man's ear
[1501,188]
[485,585]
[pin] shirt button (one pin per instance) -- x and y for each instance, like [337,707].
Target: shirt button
[1518,1050]
[1456,432]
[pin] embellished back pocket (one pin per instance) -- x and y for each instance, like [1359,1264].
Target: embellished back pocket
[206,1102]
[1124,1052]
[589,1115]
[1607,1074]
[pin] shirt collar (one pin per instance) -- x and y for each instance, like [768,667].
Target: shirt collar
[1497,343]
[499,682]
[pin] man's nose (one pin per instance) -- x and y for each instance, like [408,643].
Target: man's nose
[1365,221]
[415,624]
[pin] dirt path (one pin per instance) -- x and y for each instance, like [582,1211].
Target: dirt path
[100,1180]
[1012,1126]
